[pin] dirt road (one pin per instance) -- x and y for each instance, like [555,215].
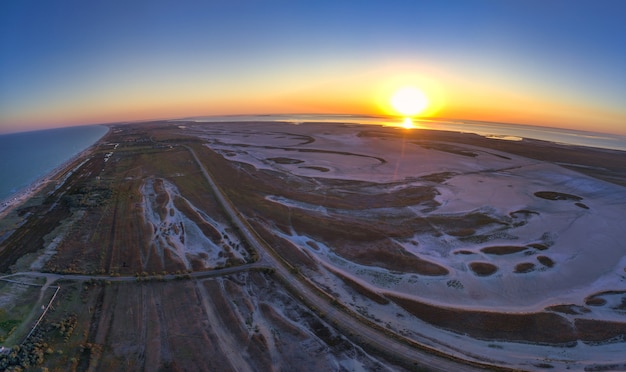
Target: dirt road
[417,355]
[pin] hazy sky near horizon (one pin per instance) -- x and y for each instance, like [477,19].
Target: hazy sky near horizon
[542,62]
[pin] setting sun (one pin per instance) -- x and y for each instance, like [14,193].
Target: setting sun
[409,101]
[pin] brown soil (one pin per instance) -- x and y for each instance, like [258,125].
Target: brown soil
[524,267]
[523,212]
[457,150]
[281,160]
[285,249]
[139,329]
[597,300]
[464,223]
[387,254]
[161,199]
[463,252]
[242,322]
[503,250]
[483,268]
[545,261]
[570,309]
[113,235]
[236,327]
[592,331]
[438,177]
[363,291]
[362,195]
[166,326]
[533,327]
[541,247]
[608,165]
[207,229]
[462,232]
[543,328]
[43,219]
[320,169]
[274,317]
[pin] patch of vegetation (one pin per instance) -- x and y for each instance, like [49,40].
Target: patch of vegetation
[544,366]
[474,220]
[87,197]
[281,160]
[570,309]
[480,239]
[503,250]
[598,299]
[438,177]
[8,325]
[362,290]
[457,150]
[28,355]
[524,267]
[453,283]
[462,232]
[463,252]
[553,195]
[387,254]
[523,212]
[595,301]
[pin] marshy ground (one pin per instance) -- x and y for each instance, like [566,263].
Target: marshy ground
[485,250]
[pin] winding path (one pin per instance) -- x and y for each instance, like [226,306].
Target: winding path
[359,329]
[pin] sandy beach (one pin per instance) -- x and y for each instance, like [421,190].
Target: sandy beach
[21,196]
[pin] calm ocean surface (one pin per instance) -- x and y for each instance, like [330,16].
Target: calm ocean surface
[28,156]
[488,129]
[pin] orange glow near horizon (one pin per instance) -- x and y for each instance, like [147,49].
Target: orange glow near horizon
[408,123]
[388,90]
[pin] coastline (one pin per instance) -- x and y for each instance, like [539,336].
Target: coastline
[481,128]
[519,147]
[21,196]
[465,204]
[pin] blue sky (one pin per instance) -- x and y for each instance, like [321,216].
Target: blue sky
[560,63]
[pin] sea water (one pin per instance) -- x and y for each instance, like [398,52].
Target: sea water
[487,129]
[25,157]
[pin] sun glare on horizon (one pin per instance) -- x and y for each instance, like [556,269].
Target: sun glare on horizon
[409,101]
[407,123]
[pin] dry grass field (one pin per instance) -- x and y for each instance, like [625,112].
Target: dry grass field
[101,212]
[234,323]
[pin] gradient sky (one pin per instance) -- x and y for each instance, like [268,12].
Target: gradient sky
[552,63]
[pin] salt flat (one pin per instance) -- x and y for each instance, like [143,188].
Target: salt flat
[329,246]
[545,236]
